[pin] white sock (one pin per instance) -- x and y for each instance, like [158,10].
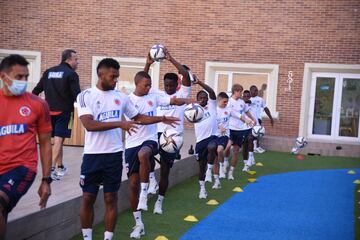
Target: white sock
[152,175]
[221,164]
[144,188]
[255,144]
[226,159]
[245,162]
[87,233]
[232,168]
[137,217]
[108,235]
[202,184]
[251,155]
[210,166]
[216,178]
[160,198]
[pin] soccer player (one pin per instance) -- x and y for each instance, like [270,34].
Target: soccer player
[142,146]
[248,143]
[167,159]
[100,110]
[22,117]
[224,143]
[240,125]
[257,106]
[206,133]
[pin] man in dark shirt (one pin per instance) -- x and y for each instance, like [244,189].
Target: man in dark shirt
[61,87]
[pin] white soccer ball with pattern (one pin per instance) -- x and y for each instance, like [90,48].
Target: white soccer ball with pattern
[258,131]
[301,142]
[157,52]
[171,141]
[194,113]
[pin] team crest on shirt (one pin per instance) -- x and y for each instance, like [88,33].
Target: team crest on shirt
[226,113]
[25,111]
[150,103]
[117,101]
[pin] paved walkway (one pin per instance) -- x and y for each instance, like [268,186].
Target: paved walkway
[68,187]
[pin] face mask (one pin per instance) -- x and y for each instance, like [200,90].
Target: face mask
[18,87]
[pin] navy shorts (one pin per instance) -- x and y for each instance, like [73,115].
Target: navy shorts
[165,157]
[101,169]
[132,158]
[60,124]
[15,183]
[201,147]
[223,141]
[238,136]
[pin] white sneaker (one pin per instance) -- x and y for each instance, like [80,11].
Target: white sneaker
[208,176]
[138,231]
[61,171]
[153,186]
[158,208]
[251,162]
[54,175]
[202,194]
[230,175]
[259,150]
[142,205]
[217,185]
[246,168]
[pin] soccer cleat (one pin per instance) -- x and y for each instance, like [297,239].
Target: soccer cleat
[246,168]
[54,175]
[61,171]
[142,205]
[230,175]
[202,193]
[138,231]
[217,185]
[208,176]
[251,162]
[153,186]
[158,207]
[259,150]
[222,174]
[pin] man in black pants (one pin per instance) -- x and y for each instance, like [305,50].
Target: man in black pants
[61,86]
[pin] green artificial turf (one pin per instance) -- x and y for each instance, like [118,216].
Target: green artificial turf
[182,200]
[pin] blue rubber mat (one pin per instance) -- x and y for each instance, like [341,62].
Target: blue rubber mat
[298,205]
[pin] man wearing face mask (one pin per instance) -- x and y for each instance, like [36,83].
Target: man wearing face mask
[22,116]
[61,86]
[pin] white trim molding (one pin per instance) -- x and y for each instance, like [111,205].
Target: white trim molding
[211,68]
[309,69]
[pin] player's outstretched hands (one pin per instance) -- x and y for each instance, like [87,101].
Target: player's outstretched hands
[172,121]
[196,79]
[167,54]
[44,193]
[149,60]
[129,126]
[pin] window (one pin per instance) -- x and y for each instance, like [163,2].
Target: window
[128,68]
[330,103]
[34,59]
[221,76]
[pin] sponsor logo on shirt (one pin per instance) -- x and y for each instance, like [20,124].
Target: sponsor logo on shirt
[25,111]
[55,75]
[13,129]
[206,116]
[108,115]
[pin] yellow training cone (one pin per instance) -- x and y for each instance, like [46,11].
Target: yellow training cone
[351,172]
[237,189]
[259,164]
[252,180]
[212,202]
[191,218]
[357,181]
[161,237]
[251,172]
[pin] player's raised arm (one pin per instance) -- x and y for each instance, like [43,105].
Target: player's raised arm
[186,79]
[267,111]
[143,119]
[206,87]
[148,63]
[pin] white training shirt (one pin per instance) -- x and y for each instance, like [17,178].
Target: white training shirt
[223,118]
[104,106]
[238,108]
[173,110]
[207,126]
[145,105]
[257,106]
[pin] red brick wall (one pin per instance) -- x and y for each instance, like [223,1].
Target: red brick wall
[288,33]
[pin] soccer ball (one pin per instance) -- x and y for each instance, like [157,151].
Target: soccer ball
[258,131]
[193,112]
[301,142]
[157,52]
[171,141]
